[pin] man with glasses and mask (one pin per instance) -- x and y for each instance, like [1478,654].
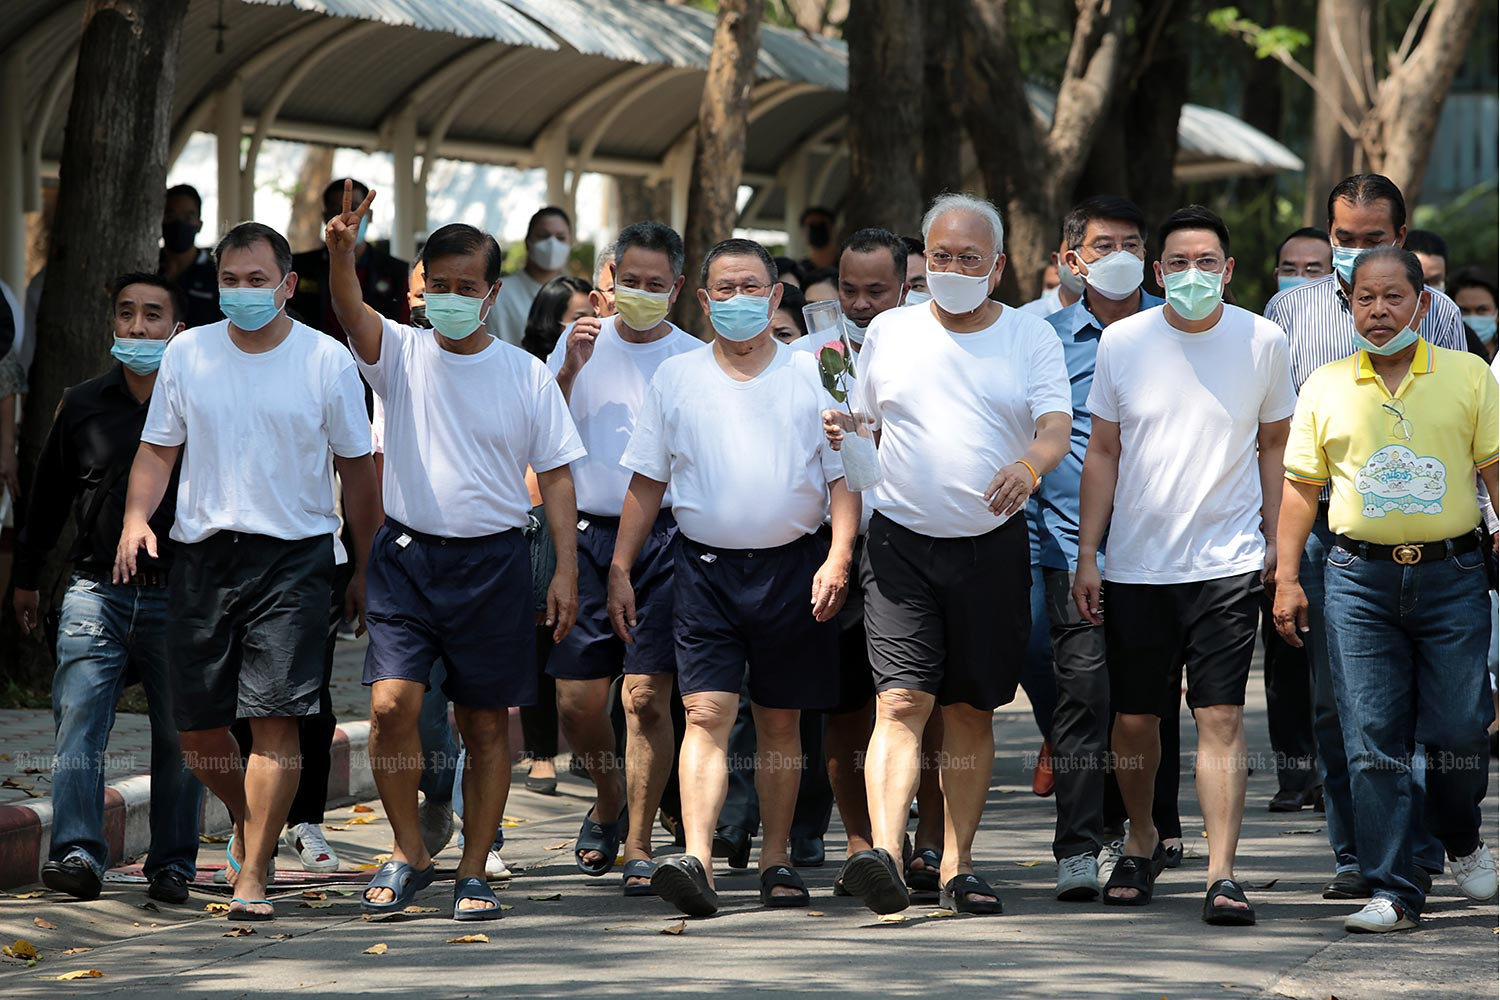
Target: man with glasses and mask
[970,399]
[1398,432]
[1364,211]
[733,429]
[1190,407]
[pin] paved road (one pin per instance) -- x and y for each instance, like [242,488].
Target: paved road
[592,942]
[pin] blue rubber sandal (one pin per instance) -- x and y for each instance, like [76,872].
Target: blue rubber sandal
[403,880]
[247,914]
[601,837]
[475,888]
[638,868]
[221,877]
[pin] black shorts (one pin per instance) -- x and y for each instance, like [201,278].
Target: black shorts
[734,607]
[467,601]
[948,616]
[247,628]
[1151,631]
[592,651]
[856,682]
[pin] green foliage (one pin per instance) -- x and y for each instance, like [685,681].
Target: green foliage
[1276,40]
[833,367]
[1468,224]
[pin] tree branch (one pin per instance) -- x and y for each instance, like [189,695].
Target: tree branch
[1410,38]
[1356,84]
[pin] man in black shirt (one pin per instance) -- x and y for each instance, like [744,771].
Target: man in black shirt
[181,259]
[382,278]
[107,628]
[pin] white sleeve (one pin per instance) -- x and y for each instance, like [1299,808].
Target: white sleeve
[559,351]
[388,367]
[1103,401]
[344,417]
[1281,397]
[862,399]
[1047,386]
[166,420]
[647,452]
[377,426]
[554,438]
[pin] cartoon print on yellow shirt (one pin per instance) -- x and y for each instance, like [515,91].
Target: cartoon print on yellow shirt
[1397,479]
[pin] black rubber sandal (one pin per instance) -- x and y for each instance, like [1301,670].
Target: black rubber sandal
[681,881]
[959,892]
[476,889]
[637,868]
[924,879]
[1227,916]
[875,879]
[601,837]
[1131,872]
[781,875]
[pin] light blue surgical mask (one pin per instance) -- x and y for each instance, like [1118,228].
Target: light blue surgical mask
[1344,259]
[1193,294]
[250,308]
[139,355]
[364,227]
[1483,327]
[740,317]
[1285,281]
[1395,345]
[455,316]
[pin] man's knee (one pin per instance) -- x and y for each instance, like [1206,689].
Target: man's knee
[904,706]
[778,726]
[395,707]
[645,703]
[711,711]
[580,703]
[484,731]
[1220,723]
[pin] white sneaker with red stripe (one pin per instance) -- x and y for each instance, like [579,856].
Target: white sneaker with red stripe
[311,847]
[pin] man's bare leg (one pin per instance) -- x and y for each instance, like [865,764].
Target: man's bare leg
[1137,746]
[648,755]
[1221,788]
[701,772]
[396,764]
[583,710]
[486,778]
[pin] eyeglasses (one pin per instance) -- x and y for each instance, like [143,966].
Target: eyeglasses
[725,289]
[1103,248]
[1402,429]
[1208,263]
[941,260]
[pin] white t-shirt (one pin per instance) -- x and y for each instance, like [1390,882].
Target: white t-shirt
[460,430]
[953,410]
[507,317]
[606,396]
[259,430]
[1189,406]
[747,461]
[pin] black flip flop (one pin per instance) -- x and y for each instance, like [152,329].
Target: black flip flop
[601,837]
[958,893]
[1138,873]
[681,881]
[637,868]
[1227,916]
[475,888]
[403,880]
[924,879]
[781,875]
[875,879]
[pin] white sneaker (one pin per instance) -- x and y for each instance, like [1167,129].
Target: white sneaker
[1379,916]
[1108,858]
[1475,874]
[495,867]
[1078,878]
[311,847]
[436,820]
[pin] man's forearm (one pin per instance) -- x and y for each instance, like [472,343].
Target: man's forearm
[149,475]
[360,322]
[1050,446]
[1096,499]
[560,501]
[1298,511]
[844,510]
[642,504]
[362,508]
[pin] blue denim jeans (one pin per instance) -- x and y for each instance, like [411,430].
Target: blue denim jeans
[439,748]
[105,629]
[1407,648]
[1333,763]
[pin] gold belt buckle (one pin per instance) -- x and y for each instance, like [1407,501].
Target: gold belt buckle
[1407,555]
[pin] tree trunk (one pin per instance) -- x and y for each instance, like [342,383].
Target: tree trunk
[306,229]
[941,165]
[719,144]
[885,115]
[1343,37]
[111,182]
[1398,132]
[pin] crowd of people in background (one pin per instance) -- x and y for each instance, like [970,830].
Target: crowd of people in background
[536,490]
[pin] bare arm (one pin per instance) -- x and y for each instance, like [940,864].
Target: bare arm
[149,475]
[1096,502]
[831,582]
[561,504]
[362,510]
[580,348]
[1299,510]
[1271,441]
[1012,485]
[642,504]
[360,322]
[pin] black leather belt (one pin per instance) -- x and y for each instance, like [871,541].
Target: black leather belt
[1411,553]
[142,578]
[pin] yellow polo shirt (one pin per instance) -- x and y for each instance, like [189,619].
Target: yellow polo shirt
[1387,490]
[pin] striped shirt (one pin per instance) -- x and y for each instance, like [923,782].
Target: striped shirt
[1319,327]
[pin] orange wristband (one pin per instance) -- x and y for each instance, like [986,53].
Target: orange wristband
[1035,479]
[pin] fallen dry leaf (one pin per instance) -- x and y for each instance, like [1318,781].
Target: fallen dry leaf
[381,859]
[1028,864]
[280,937]
[330,826]
[359,820]
[4,756]
[558,847]
[471,939]
[37,894]
[211,838]
[16,783]
[22,949]
[377,949]
[506,906]
[217,909]
[1294,833]
[676,928]
[312,894]
[239,932]
[893,918]
[45,925]
[77,951]
[315,905]
[367,867]
[362,808]
[550,897]
[82,974]
[816,913]
[942,913]
[420,909]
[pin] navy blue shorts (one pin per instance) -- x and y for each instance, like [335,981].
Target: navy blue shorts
[735,607]
[465,600]
[592,651]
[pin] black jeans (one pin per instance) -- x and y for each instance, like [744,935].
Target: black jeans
[1080,720]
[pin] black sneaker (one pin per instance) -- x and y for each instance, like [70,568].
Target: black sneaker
[1347,885]
[168,886]
[72,876]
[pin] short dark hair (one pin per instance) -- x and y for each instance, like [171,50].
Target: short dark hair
[1365,189]
[1194,217]
[246,235]
[172,288]
[335,190]
[873,240]
[186,191]
[786,266]
[738,248]
[544,322]
[1408,261]
[652,236]
[545,211]
[1428,242]
[811,210]
[461,239]
[792,301]
[1104,206]
[1472,277]
[914,245]
[1305,233]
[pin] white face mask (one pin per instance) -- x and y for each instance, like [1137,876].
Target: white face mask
[550,254]
[1072,282]
[916,298]
[958,293]
[1116,276]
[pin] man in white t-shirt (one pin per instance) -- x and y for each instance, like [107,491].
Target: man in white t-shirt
[262,410]
[450,573]
[604,367]
[549,240]
[970,399]
[734,429]
[1191,404]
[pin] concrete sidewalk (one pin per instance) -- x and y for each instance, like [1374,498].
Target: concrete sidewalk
[589,941]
